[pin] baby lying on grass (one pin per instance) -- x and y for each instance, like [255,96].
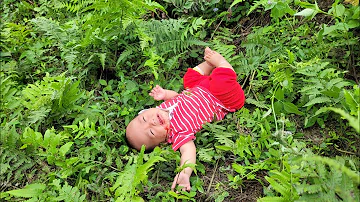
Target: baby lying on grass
[211,90]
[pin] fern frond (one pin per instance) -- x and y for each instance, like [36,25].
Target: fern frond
[224,138]
[107,16]
[128,54]
[56,95]
[260,104]
[256,5]
[68,193]
[206,155]
[132,176]
[14,163]
[354,175]
[51,29]
[76,5]
[166,36]
[317,100]
[283,183]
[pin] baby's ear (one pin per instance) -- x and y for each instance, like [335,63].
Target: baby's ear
[142,111]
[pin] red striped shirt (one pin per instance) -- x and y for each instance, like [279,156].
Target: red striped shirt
[191,109]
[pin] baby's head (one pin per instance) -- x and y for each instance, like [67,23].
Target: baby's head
[149,128]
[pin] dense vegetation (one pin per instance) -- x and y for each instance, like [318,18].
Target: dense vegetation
[73,73]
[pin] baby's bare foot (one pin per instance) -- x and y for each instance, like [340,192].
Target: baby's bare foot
[207,51]
[216,59]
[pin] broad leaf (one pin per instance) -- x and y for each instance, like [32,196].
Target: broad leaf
[31,190]
[291,108]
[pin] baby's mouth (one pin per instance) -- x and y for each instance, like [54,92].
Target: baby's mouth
[161,120]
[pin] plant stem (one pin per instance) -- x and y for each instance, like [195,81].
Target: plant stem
[273,108]
[212,177]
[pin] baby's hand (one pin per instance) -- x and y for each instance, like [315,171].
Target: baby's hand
[158,93]
[183,180]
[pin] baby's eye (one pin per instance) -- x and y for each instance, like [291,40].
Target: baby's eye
[152,132]
[144,119]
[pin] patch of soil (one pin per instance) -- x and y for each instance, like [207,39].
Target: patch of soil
[337,142]
[216,182]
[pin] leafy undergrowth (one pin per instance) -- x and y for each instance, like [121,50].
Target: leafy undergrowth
[74,73]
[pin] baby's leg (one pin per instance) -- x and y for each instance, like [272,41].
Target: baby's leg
[215,59]
[223,81]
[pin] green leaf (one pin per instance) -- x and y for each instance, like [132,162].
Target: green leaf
[137,199]
[186,165]
[353,23]
[277,186]
[224,148]
[328,30]
[278,106]
[31,190]
[235,2]
[351,102]
[317,101]
[306,12]
[102,57]
[239,169]
[291,108]
[279,94]
[291,56]
[272,199]
[339,10]
[260,104]
[65,148]
[103,82]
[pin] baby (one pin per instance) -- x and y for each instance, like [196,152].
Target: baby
[211,90]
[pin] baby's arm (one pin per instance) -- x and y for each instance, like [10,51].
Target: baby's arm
[188,155]
[158,93]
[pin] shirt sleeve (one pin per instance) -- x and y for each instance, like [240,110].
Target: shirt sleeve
[181,138]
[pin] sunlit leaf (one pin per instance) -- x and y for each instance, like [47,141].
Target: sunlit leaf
[29,191]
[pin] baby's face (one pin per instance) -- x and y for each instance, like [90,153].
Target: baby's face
[149,128]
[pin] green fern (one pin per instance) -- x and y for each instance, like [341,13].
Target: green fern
[152,62]
[7,92]
[186,6]
[14,167]
[10,110]
[67,193]
[206,154]
[76,5]
[278,7]
[132,176]
[162,38]
[256,50]
[167,36]
[56,95]
[224,139]
[321,84]
[129,53]
[107,16]
[334,182]
[65,37]
[282,182]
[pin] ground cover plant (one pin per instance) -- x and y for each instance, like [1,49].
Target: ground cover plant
[74,73]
